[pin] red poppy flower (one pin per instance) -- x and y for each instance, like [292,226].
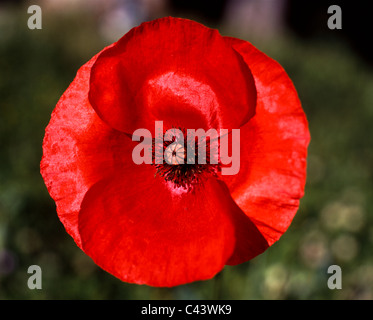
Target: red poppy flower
[148,224]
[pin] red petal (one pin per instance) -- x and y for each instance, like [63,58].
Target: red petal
[174,70]
[274,144]
[141,231]
[249,241]
[78,150]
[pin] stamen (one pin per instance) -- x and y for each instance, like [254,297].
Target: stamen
[182,168]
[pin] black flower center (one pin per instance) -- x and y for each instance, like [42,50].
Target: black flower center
[187,160]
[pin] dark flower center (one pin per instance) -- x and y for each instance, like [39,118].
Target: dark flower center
[187,160]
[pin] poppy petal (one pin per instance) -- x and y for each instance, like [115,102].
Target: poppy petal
[249,240]
[274,145]
[144,233]
[174,70]
[78,150]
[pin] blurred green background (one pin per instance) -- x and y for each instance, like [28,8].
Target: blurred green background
[334,78]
